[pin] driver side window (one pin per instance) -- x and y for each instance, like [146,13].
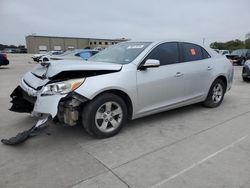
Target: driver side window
[166,53]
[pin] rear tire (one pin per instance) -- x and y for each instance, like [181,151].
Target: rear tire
[216,94]
[104,116]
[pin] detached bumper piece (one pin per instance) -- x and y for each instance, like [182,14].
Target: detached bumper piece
[21,101]
[33,131]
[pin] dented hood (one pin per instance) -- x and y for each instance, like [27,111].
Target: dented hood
[52,68]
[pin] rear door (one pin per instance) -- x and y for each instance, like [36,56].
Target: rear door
[197,71]
[162,86]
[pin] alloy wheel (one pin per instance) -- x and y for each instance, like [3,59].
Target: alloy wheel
[217,93]
[108,117]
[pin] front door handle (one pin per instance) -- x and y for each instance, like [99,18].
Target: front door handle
[178,74]
[209,68]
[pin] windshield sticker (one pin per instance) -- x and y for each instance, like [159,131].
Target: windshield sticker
[193,52]
[135,47]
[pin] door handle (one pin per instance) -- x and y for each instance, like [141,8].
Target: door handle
[209,68]
[178,74]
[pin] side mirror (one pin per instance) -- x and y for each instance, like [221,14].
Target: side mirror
[151,63]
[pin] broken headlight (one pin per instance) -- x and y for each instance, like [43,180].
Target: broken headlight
[62,87]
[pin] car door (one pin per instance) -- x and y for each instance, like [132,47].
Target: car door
[162,86]
[198,69]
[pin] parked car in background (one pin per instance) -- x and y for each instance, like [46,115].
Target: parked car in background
[37,57]
[125,81]
[246,71]
[224,52]
[239,56]
[3,59]
[78,54]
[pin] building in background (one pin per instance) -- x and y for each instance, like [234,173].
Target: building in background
[39,44]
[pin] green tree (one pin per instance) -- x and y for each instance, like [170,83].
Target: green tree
[247,41]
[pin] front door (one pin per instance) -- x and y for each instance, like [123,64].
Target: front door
[162,86]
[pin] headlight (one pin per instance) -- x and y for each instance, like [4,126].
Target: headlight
[62,87]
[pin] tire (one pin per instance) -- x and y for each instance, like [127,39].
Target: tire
[98,118]
[216,94]
[45,59]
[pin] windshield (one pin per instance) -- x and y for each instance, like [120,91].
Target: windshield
[122,53]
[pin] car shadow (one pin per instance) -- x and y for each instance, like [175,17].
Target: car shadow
[78,132]
[4,68]
[57,131]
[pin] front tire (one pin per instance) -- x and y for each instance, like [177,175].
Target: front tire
[45,59]
[216,94]
[104,116]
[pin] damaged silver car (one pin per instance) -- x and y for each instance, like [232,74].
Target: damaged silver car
[123,82]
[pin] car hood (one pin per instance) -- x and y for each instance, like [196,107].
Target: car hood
[52,68]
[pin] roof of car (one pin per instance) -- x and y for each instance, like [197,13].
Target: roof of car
[155,42]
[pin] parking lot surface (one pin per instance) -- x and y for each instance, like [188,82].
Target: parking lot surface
[188,147]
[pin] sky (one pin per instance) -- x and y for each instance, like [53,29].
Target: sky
[212,20]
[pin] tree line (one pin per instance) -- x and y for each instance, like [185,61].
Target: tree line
[232,44]
[3,46]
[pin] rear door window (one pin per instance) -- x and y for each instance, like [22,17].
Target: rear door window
[193,52]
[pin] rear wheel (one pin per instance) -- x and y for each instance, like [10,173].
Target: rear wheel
[104,116]
[216,94]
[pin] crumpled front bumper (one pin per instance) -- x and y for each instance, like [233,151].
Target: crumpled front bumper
[21,101]
[27,100]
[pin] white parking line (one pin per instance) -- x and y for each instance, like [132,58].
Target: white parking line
[199,162]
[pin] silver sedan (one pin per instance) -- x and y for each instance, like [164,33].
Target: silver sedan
[123,82]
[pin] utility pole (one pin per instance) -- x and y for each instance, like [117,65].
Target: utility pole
[203,40]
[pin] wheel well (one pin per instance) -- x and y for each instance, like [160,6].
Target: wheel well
[125,97]
[224,79]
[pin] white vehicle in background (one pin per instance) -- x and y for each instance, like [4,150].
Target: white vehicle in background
[37,57]
[224,52]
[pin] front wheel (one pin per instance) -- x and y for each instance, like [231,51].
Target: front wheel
[216,94]
[45,59]
[104,116]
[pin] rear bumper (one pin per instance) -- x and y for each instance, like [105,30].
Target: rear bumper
[4,62]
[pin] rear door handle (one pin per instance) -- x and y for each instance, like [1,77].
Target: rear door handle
[209,68]
[178,74]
